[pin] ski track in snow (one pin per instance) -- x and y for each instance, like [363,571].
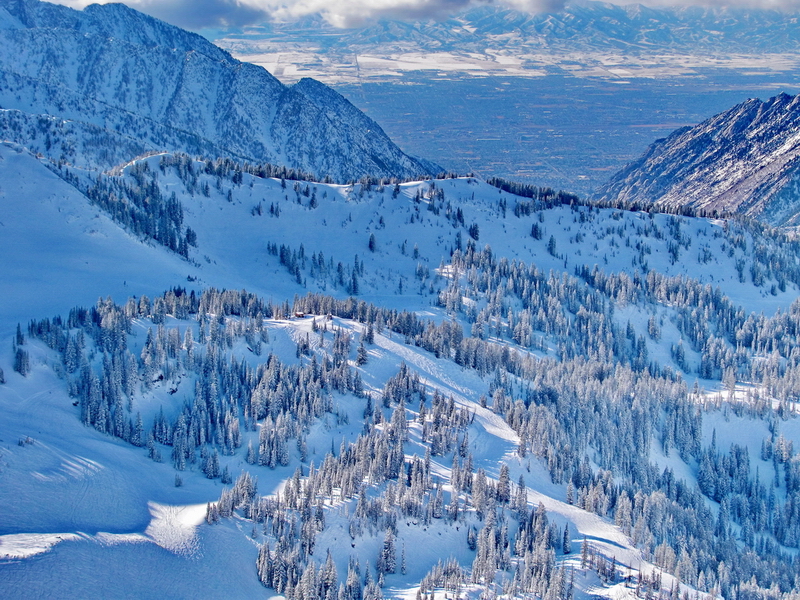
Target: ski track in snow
[429,368]
[71,467]
[433,372]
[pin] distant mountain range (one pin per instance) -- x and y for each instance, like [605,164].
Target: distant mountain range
[97,86]
[579,26]
[745,160]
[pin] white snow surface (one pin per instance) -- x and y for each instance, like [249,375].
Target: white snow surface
[86,515]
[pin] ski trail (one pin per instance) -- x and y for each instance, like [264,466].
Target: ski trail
[423,363]
[493,424]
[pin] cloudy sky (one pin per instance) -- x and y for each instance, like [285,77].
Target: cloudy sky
[196,14]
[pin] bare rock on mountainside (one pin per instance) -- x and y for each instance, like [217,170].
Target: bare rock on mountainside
[113,77]
[745,160]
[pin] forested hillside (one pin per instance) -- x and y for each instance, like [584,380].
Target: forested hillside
[542,392]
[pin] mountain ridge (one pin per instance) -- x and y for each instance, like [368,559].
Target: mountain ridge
[745,160]
[585,25]
[116,68]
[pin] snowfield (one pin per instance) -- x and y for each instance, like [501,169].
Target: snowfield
[88,514]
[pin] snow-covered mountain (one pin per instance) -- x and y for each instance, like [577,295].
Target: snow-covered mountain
[744,161]
[471,366]
[226,380]
[112,77]
[579,26]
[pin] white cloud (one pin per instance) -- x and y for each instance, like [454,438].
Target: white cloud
[195,14]
[357,12]
[340,13]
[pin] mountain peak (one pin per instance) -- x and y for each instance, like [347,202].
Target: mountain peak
[169,89]
[744,160]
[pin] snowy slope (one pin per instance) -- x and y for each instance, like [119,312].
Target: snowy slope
[93,498]
[59,251]
[266,215]
[425,215]
[88,498]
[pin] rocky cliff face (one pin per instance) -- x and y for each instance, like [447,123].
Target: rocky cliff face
[745,160]
[159,87]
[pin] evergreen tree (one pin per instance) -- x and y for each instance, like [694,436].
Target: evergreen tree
[551,246]
[387,559]
[504,485]
[361,357]
[22,362]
